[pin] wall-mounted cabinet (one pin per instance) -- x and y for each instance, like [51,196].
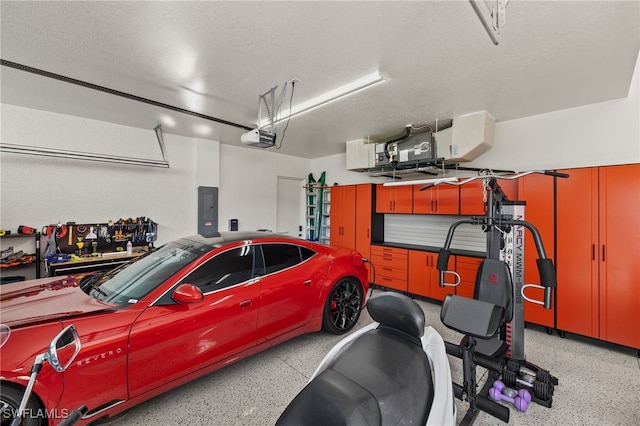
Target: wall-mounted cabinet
[598,231]
[394,199]
[440,199]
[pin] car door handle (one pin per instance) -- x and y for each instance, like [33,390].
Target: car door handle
[307,282]
[245,303]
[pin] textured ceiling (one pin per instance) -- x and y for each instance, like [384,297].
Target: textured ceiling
[216,57]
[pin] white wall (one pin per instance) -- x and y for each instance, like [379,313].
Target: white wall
[249,185]
[37,191]
[603,133]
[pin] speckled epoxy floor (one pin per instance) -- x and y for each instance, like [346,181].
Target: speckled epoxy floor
[599,383]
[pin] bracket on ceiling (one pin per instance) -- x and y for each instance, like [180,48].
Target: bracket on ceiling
[267,99]
[158,130]
[88,156]
[492,14]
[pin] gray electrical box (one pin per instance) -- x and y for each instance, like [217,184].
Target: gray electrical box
[410,152]
[207,210]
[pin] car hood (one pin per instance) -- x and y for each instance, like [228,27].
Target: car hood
[36,301]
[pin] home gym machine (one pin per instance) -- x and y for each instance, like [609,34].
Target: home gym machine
[493,321]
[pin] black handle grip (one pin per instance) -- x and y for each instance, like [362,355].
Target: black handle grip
[547,272]
[443,259]
[556,174]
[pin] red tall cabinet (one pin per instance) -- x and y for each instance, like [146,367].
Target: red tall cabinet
[343,216]
[598,257]
[351,217]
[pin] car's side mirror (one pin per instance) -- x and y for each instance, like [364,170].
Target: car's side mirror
[63,349]
[187,293]
[5,332]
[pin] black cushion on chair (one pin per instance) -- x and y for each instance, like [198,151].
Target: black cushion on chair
[471,317]
[381,378]
[397,311]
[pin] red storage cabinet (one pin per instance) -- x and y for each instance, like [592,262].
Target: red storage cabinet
[394,199]
[599,254]
[538,192]
[439,199]
[343,216]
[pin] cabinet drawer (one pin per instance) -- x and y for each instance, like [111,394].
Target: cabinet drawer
[396,253]
[387,261]
[389,272]
[395,283]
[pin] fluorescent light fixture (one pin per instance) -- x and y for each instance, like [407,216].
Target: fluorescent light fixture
[348,89]
[433,181]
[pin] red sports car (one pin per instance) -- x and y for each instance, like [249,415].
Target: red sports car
[182,311]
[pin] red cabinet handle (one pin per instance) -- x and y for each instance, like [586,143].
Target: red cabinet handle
[603,258]
[593,252]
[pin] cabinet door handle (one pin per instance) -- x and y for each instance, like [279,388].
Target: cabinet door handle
[603,257]
[387,269]
[367,232]
[593,252]
[436,206]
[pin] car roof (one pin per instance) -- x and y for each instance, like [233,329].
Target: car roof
[217,239]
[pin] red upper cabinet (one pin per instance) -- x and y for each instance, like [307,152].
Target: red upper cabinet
[472,197]
[394,199]
[439,199]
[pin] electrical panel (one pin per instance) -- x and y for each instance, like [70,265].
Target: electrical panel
[411,152]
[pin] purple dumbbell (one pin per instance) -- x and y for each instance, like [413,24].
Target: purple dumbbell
[520,399]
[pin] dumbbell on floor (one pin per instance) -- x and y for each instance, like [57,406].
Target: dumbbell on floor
[529,375]
[541,390]
[520,399]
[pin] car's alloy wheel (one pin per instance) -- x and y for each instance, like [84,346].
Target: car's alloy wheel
[9,403]
[343,306]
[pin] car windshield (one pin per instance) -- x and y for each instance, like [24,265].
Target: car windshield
[134,280]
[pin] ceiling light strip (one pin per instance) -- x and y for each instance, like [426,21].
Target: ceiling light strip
[323,99]
[136,98]
[76,155]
